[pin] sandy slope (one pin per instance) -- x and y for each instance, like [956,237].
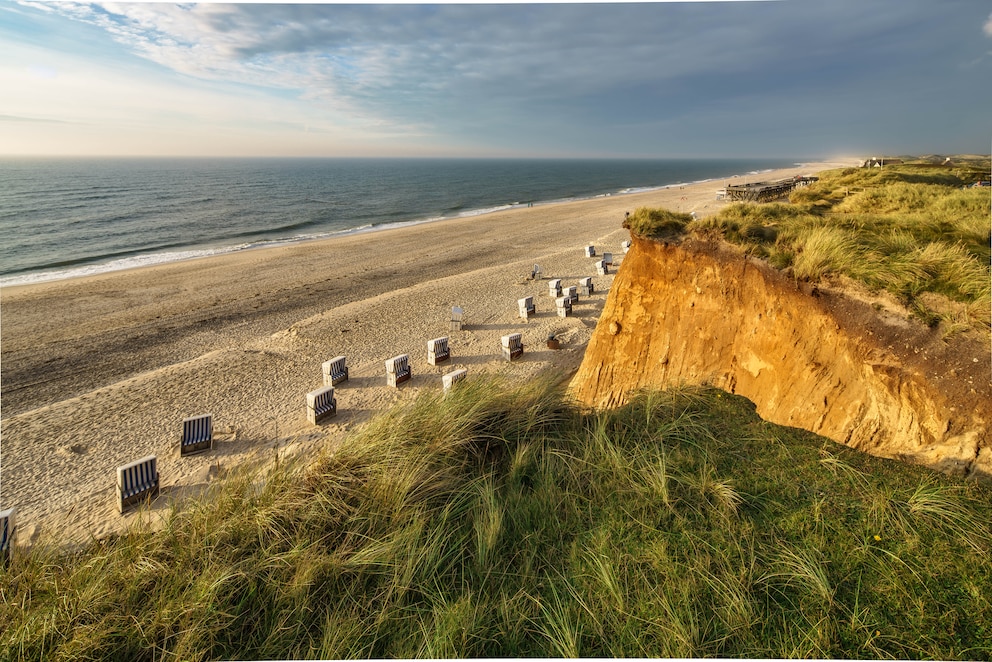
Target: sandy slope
[99,371]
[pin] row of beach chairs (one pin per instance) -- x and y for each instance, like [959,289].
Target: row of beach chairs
[564,297]
[139,481]
[591,251]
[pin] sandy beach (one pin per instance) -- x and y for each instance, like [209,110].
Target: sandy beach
[101,370]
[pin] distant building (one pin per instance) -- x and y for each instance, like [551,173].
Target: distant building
[878,162]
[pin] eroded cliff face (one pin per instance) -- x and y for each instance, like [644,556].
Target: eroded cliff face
[701,313]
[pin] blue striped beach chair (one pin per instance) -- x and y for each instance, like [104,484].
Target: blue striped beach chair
[554,287]
[7,532]
[321,404]
[137,482]
[335,371]
[526,306]
[398,370]
[512,346]
[198,435]
[452,378]
[437,350]
[586,286]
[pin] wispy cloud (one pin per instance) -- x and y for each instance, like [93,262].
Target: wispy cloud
[494,75]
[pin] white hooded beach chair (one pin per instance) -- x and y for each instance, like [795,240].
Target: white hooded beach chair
[571,293]
[335,371]
[137,482]
[564,306]
[456,319]
[7,532]
[625,245]
[526,306]
[586,286]
[198,435]
[452,378]
[554,287]
[321,404]
[602,268]
[590,251]
[437,350]
[535,272]
[398,370]
[512,346]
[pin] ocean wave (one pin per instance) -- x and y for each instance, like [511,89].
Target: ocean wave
[278,225]
[166,257]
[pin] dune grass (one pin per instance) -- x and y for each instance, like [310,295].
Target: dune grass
[657,223]
[914,231]
[505,522]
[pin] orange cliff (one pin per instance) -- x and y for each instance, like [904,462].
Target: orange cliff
[700,312]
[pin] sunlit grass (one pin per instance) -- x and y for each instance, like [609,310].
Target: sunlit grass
[505,522]
[907,230]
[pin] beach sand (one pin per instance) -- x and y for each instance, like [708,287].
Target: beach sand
[101,370]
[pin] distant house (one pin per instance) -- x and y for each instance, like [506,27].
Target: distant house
[878,162]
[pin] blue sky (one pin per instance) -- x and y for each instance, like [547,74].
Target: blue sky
[806,78]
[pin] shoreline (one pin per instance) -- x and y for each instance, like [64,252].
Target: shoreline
[100,370]
[206,251]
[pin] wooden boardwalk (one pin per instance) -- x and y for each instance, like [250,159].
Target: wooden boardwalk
[766,191]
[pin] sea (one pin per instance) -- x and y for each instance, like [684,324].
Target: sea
[68,217]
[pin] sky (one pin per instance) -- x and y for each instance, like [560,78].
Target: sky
[787,78]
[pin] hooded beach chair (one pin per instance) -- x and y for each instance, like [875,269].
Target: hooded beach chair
[554,287]
[137,482]
[456,319]
[512,346]
[7,532]
[321,404]
[564,306]
[398,370]
[526,306]
[590,251]
[602,268]
[452,378]
[437,350]
[585,286]
[198,435]
[571,293]
[335,371]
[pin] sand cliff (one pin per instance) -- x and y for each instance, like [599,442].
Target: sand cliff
[703,313]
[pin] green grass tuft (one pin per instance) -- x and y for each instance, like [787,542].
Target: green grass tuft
[657,223]
[912,230]
[506,522]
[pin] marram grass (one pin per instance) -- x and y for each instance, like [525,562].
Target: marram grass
[506,522]
[917,232]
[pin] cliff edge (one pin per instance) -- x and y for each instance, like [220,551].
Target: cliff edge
[700,312]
